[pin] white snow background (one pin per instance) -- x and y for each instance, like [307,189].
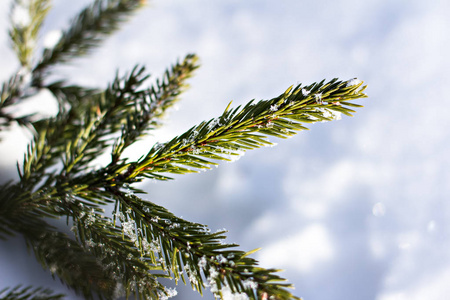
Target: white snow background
[352,209]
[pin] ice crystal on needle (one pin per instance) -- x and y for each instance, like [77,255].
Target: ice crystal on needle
[202,263]
[353,81]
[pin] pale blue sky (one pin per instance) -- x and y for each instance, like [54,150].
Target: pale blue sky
[353,209]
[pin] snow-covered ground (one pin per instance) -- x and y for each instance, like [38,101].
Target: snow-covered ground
[352,209]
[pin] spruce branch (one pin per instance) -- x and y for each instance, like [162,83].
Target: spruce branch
[44,151]
[191,249]
[75,98]
[19,213]
[84,131]
[151,239]
[153,106]
[174,251]
[127,107]
[100,262]
[238,130]
[88,30]
[28,293]
[27,18]
[12,91]
[133,271]
[103,261]
[73,265]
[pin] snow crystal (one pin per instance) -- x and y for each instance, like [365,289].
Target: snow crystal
[337,115]
[236,157]
[120,216]
[250,284]
[305,92]
[202,263]
[213,272]
[221,259]
[196,150]
[53,268]
[213,124]
[158,146]
[128,229]
[90,219]
[150,247]
[212,285]
[172,292]
[318,98]
[354,81]
[329,114]
[90,243]
[192,273]
[274,107]
[129,192]
[229,295]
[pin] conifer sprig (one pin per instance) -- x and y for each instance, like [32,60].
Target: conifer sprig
[102,262]
[151,239]
[72,264]
[190,249]
[28,293]
[248,128]
[148,111]
[84,131]
[18,214]
[133,271]
[10,91]
[27,17]
[9,96]
[88,30]
[64,257]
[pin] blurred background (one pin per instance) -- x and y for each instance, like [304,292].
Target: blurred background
[352,209]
